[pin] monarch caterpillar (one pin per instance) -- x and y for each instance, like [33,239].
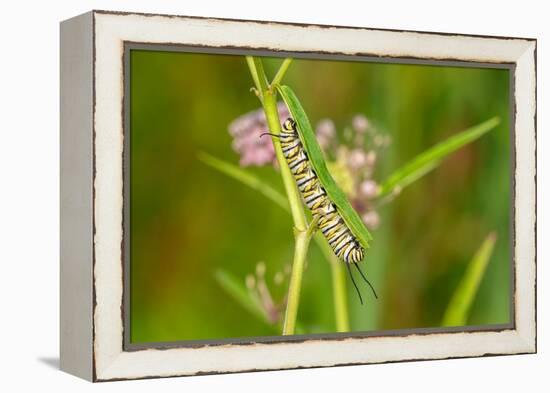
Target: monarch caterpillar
[340,237]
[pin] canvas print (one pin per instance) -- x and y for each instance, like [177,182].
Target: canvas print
[272,196]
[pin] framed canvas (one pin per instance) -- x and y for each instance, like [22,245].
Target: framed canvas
[244,195]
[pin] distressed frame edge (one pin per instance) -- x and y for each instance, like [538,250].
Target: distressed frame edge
[525,147]
[525,335]
[129,46]
[76,196]
[305,25]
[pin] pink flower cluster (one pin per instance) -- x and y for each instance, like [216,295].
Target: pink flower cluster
[246,131]
[354,159]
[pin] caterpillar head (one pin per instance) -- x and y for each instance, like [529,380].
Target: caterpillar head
[289,124]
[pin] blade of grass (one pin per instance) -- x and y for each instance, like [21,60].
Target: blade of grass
[458,309]
[431,158]
[244,177]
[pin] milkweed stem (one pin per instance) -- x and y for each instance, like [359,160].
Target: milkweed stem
[281,72]
[303,232]
[300,251]
[302,235]
[339,287]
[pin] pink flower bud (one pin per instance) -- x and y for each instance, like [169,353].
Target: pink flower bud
[371,158]
[360,123]
[371,219]
[326,128]
[368,189]
[246,131]
[357,159]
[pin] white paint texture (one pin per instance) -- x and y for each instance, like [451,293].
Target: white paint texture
[112,30]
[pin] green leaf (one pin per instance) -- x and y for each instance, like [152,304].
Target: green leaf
[244,177]
[313,150]
[458,309]
[431,158]
[240,293]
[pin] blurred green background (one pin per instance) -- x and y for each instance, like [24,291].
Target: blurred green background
[188,220]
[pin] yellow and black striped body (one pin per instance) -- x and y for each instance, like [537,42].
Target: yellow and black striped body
[342,241]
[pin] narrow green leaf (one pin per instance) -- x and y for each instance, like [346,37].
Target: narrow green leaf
[244,177]
[313,150]
[458,309]
[281,72]
[431,158]
[240,293]
[255,183]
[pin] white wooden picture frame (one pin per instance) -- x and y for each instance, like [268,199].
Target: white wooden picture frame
[92,194]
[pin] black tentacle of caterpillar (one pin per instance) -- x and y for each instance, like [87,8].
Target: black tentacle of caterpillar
[340,238]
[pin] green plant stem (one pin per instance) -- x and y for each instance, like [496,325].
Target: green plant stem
[302,239]
[339,291]
[293,195]
[267,96]
[274,124]
[281,72]
[302,235]
[339,280]
[255,77]
[340,295]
